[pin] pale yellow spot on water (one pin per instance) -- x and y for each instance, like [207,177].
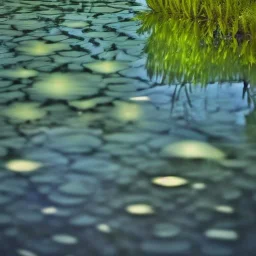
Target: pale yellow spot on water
[64,239]
[104,228]
[128,112]
[222,234]
[224,209]
[18,73]
[58,86]
[199,186]
[37,48]
[75,24]
[234,163]
[23,252]
[82,104]
[24,111]
[107,67]
[49,210]
[23,165]
[140,209]
[140,98]
[169,181]
[193,150]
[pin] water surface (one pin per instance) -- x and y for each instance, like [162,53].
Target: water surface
[101,156]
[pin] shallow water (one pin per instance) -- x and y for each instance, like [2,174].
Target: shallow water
[85,135]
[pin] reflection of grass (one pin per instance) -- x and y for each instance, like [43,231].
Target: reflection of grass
[185,51]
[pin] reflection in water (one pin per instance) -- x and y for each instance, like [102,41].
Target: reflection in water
[251,125]
[182,51]
[185,51]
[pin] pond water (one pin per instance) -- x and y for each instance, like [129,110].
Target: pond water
[102,155]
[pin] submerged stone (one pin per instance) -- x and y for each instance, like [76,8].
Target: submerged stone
[64,239]
[169,181]
[140,209]
[21,165]
[190,149]
[155,247]
[83,220]
[77,188]
[23,252]
[166,230]
[222,234]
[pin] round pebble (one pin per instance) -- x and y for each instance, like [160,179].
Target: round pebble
[140,209]
[64,239]
[222,234]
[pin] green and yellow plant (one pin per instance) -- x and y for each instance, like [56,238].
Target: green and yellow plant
[184,51]
[223,11]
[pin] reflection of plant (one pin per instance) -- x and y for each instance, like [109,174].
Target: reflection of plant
[251,117]
[185,51]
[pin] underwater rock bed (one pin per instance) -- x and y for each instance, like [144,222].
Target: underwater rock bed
[99,157]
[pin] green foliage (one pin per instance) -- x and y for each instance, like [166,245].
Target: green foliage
[185,51]
[225,11]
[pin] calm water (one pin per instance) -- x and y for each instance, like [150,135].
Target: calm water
[104,152]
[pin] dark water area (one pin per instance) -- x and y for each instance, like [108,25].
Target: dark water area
[101,153]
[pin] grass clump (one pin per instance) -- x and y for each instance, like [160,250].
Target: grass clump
[234,13]
[204,9]
[198,52]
